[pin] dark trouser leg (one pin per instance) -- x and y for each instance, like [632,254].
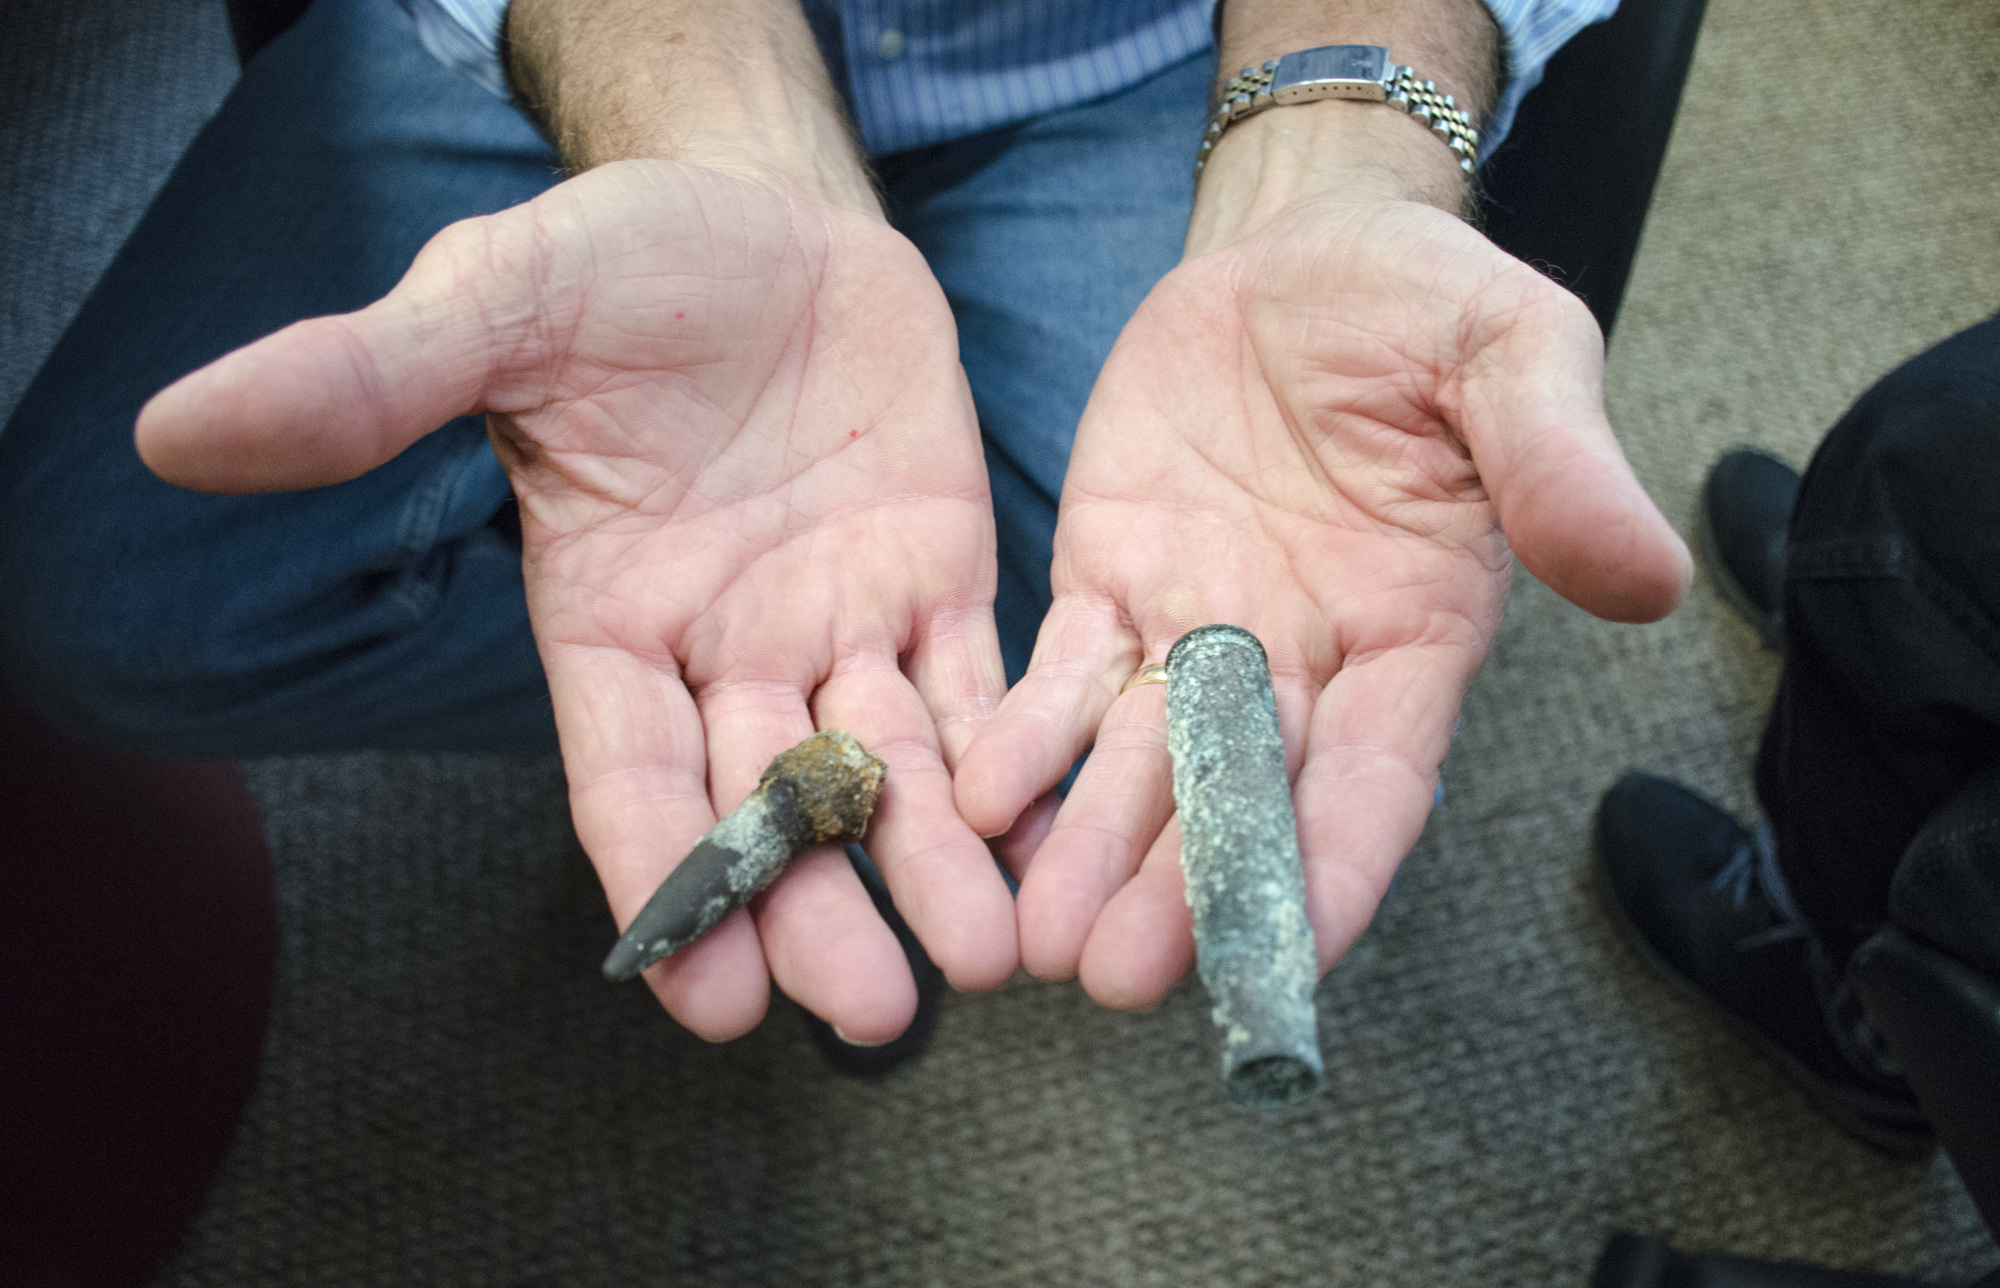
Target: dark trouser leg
[1891,692]
[384,612]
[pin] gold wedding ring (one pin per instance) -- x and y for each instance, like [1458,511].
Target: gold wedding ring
[1154,674]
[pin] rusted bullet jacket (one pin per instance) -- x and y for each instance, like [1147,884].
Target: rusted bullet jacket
[1240,855]
[821,791]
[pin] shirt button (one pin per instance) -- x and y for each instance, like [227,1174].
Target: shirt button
[890,45]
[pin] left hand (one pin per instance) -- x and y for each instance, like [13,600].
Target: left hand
[1329,432]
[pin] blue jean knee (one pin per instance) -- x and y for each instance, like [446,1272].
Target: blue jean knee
[384,612]
[1045,237]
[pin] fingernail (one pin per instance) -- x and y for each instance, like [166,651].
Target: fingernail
[842,1035]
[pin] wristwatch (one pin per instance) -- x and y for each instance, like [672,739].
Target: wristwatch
[1364,72]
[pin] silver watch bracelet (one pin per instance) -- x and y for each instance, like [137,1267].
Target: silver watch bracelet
[1359,72]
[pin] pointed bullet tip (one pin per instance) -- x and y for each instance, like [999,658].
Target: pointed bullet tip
[624,962]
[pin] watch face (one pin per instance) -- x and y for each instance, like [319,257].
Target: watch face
[1356,64]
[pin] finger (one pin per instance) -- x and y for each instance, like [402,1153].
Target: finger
[957,669]
[1084,653]
[1016,847]
[940,874]
[1143,942]
[824,943]
[1531,408]
[633,748]
[1379,732]
[1121,799]
[832,953]
[747,723]
[328,399]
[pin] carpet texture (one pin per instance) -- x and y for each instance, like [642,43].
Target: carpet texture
[451,1096]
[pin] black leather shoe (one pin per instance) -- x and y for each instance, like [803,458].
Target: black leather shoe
[1699,898]
[1746,507]
[873,1062]
[1635,1261]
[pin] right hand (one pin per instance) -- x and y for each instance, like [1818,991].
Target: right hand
[753,503]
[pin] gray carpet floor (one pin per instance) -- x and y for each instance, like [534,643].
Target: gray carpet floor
[451,1096]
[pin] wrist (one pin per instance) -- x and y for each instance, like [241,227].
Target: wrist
[738,88]
[1333,149]
[1309,153]
[806,161]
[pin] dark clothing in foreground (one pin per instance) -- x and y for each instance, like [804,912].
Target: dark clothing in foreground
[1890,703]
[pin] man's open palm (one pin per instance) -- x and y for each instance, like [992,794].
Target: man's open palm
[752,504]
[1318,435]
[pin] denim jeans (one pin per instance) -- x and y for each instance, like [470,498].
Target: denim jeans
[387,612]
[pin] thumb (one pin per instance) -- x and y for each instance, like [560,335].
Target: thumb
[1532,413]
[330,398]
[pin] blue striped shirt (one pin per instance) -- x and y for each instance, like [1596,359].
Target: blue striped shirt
[924,71]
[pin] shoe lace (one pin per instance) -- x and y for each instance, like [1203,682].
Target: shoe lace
[1752,872]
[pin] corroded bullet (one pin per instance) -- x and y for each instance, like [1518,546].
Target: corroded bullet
[1240,854]
[822,790]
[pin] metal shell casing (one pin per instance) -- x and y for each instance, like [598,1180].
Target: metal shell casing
[1240,854]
